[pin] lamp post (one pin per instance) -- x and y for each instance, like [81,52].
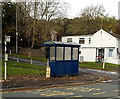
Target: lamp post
[7,39]
[17,34]
[16,30]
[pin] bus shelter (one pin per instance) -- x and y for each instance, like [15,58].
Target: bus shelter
[63,58]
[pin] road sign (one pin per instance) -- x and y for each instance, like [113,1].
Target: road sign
[6,57]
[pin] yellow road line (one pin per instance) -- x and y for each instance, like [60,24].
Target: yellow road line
[83,89]
[58,93]
[78,96]
[99,93]
[74,97]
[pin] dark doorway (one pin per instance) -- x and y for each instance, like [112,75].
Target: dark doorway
[99,55]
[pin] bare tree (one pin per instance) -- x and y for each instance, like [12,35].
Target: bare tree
[34,23]
[46,10]
[92,12]
[52,8]
[35,12]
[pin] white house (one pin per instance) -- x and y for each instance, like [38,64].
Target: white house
[100,46]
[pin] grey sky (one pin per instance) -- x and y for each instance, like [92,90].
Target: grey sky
[119,10]
[111,6]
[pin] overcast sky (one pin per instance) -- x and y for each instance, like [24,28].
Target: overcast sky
[111,6]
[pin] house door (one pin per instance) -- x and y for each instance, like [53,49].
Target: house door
[100,55]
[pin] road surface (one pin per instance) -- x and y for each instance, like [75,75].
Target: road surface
[92,90]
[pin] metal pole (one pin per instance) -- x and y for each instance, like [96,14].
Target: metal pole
[5,60]
[5,70]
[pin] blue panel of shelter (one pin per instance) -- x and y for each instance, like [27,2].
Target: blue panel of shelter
[68,67]
[59,68]
[75,67]
[52,67]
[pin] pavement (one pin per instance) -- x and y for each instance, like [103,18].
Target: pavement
[12,58]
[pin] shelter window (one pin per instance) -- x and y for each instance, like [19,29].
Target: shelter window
[67,53]
[75,53]
[69,39]
[59,54]
[81,40]
[52,53]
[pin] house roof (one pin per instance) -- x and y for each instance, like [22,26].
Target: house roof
[115,35]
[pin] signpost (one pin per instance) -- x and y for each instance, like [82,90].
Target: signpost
[48,70]
[7,39]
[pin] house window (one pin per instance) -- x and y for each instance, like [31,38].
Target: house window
[69,39]
[89,40]
[81,40]
[110,52]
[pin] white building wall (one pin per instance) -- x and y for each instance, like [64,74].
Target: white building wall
[103,39]
[76,39]
[112,59]
[89,54]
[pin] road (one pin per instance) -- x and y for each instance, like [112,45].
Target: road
[109,89]
[91,90]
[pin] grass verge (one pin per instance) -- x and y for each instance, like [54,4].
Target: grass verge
[99,66]
[21,68]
